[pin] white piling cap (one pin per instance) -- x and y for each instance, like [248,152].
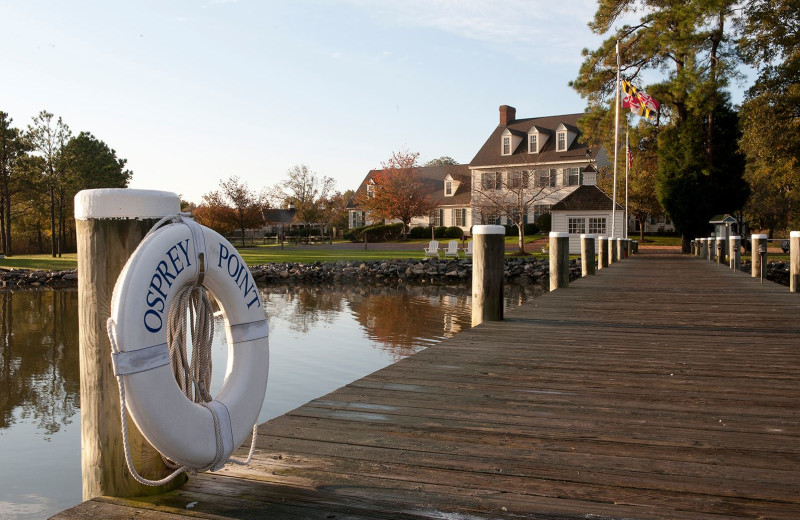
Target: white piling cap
[559,234]
[125,203]
[736,237]
[488,230]
[602,237]
[758,237]
[588,235]
[794,234]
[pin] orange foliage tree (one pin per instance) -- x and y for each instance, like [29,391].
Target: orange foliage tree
[398,191]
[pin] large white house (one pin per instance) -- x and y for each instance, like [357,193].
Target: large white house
[539,157]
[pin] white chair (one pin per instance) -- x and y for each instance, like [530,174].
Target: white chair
[468,250]
[452,249]
[432,249]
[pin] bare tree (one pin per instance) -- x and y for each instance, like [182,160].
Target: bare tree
[306,190]
[512,193]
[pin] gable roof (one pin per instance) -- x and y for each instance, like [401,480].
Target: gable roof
[433,178]
[490,152]
[585,198]
[279,216]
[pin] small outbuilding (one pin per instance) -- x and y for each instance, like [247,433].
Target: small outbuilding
[586,210]
[721,222]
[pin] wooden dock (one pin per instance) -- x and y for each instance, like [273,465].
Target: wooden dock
[664,387]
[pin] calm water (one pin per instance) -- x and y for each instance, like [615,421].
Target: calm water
[320,339]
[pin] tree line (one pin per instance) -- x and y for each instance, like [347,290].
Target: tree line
[236,207]
[42,167]
[700,155]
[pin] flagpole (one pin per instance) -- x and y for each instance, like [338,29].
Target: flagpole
[627,167]
[616,149]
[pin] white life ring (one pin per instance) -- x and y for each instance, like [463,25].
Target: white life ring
[166,260]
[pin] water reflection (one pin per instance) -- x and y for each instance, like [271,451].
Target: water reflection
[321,338]
[39,376]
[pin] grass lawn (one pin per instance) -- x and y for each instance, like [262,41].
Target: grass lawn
[657,240]
[45,262]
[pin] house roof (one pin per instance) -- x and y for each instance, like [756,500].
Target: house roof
[279,216]
[490,153]
[433,177]
[721,219]
[585,198]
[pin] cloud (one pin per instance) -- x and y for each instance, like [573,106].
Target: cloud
[559,28]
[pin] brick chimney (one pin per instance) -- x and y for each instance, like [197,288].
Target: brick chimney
[507,115]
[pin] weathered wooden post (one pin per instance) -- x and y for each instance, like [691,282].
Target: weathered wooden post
[721,251]
[711,246]
[794,261]
[635,247]
[758,254]
[735,252]
[488,264]
[620,249]
[628,247]
[692,246]
[612,250]
[559,260]
[602,252]
[110,224]
[587,254]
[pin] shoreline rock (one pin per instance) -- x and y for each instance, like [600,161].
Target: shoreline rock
[383,272]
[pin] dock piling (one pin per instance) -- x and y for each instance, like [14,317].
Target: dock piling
[602,252]
[758,254]
[735,252]
[488,264]
[110,224]
[794,261]
[559,260]
[587,254]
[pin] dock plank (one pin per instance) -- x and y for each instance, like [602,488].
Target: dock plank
[665,387]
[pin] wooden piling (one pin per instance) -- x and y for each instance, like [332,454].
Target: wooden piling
[735,252]
[488,257]
[110,224]
[587,254]
[721,252]
[711,252]
[612,250]
[559,260]
[756,241]
[692,247]
[602,252]
[794,261]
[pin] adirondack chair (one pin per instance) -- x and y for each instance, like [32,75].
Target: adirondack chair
[452,249]
[432,249]
[468,250]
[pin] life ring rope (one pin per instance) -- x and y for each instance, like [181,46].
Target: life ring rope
[193,376]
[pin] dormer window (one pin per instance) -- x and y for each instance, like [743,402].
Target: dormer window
[562,141]
[370,189]
[507,145]
[532,141]
[448,188]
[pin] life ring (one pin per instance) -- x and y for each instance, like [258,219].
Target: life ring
[183,431]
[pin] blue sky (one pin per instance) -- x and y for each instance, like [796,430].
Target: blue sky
[192,92]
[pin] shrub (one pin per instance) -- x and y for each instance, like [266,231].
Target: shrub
[453,232]
[382,232]
[531,229]
[544,223]
[439,232]
[511,230]
[420,232]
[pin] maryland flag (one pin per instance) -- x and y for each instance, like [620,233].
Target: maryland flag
[638,101]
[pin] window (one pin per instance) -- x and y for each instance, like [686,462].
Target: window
[358,219]
[572,176]
[459,217]
[370,189]
[437,219]
[492,180]
[545,178]
[539,210]
[448,187]
[597,225]
[576,226]
[532,141]
[562,141]
[519,179]
[507,145]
